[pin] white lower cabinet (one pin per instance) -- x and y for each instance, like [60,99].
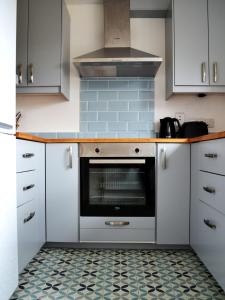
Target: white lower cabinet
[30,200]
[62,192]
[173,193]
[8,224]
[207,239]
[207,206]
[27,227]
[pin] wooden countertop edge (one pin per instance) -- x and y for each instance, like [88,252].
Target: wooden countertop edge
[29,137]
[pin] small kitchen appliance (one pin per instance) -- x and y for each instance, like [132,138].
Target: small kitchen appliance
[169,128]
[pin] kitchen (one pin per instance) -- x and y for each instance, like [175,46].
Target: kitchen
[97,190]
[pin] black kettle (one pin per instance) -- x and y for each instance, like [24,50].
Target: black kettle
[169,128]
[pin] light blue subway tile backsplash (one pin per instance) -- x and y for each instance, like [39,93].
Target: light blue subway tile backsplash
[97,106]
[147,116]
[107,95]
[128,116]
[107,116]
[88,116]
[97,126]
[117,107]
[140,126]
[119,85]
[66,135]
[117,126]
[128,95]
[146,95]
[88,96]
[139,105]
[98,85]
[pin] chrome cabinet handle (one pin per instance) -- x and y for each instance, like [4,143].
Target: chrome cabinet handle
[70,152]
[28,187]
[215,72]
[211,155]
[28,155]
[117,223]
[31,215]
[163,159]
[209,224]
[31,73]
[203,71]
[209,190]
[20,74]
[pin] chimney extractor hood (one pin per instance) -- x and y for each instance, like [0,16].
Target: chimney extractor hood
[117,59]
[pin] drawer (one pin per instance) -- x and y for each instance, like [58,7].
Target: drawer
[212,156]
[26,187]
[117,235]
[26,156]
[117,222]
[211,190]
[209,243]
[27,233]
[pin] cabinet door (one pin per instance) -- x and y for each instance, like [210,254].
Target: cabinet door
[217,41]
[191,42]
[27,233]
[8,225]
[7,65]
[21,42]
[44,42]
[62,192]
[173,189]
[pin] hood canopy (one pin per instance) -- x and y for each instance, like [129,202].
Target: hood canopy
[117,59]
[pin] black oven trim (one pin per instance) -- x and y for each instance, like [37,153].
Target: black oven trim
[125,211]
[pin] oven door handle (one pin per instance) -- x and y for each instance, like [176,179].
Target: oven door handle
[117,223]
[117,161]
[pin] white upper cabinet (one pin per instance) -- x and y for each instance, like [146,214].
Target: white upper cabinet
[7,65]
[43,47]
[195,47]
[217,42]
[191,42]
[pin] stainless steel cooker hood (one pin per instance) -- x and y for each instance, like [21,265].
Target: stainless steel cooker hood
[117,59]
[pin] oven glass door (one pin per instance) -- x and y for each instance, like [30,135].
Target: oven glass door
[117,187]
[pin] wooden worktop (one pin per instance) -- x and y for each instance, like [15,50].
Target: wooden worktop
[29,137]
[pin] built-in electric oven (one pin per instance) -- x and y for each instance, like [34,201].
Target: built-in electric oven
[117,179]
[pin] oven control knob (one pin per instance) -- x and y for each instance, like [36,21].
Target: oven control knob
[97,150]
[137,150]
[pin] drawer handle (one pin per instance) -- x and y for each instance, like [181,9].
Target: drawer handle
[209,190]
[211,155]
[117,223]
[209,224]
[29,217]
[28,187]
[28,155]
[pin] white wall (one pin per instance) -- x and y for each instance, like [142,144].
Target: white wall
[47,114]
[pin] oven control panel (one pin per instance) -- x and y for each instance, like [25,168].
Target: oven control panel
[117,149]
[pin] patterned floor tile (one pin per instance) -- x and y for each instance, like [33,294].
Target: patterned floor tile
[93,274]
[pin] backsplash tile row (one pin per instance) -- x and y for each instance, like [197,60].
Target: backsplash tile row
[117,107]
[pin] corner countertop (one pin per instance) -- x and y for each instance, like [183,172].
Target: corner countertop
[211,136]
